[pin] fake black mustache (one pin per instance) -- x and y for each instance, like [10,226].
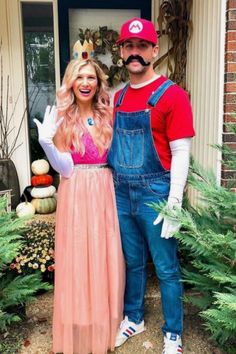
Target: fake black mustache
[136,57]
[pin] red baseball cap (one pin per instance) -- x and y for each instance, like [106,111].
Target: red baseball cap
[138,28]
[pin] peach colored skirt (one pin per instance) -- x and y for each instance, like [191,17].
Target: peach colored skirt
[89,275]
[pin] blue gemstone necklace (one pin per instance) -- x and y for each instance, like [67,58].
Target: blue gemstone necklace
[90,121]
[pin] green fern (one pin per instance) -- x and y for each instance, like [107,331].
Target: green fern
[7,319]
[14,290]
[221,319]
[208,248]
[208,235]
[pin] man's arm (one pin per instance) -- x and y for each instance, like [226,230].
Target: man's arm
[180,151]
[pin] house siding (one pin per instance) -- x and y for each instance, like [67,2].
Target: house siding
[228,138]
[205,83]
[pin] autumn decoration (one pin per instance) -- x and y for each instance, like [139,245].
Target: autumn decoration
[104,44]
[37,251]
[174,22]
[43,192]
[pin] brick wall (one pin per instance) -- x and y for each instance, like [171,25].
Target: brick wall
[230,84]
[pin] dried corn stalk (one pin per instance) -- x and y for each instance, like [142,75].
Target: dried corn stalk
[174,22]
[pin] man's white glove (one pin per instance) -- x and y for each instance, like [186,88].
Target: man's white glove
[180,152]
[170,225]
[61,161]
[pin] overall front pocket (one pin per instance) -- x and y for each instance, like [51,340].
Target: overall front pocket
[130,148]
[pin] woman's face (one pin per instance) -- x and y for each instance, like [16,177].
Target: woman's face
[86,84]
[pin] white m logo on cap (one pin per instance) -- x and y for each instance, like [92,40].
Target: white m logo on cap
[135,26]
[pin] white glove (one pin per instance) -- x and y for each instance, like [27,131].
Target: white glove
[170,226]
[48,128]
[180,151]
[61,161]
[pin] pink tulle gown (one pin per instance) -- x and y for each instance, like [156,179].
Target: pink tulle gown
[89,275]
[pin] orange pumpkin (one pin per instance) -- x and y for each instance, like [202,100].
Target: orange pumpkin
[41,180]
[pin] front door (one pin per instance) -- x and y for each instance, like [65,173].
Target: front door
[99,17]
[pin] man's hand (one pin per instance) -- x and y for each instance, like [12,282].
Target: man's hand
[48,128]
[170,225]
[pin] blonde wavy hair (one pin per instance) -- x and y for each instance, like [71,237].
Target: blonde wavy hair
[70,132]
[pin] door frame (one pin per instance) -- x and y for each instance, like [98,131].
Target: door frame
[145,8]
[12,33]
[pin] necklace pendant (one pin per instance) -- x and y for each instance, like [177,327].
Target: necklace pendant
[90,121]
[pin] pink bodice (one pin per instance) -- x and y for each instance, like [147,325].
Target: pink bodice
[91,155]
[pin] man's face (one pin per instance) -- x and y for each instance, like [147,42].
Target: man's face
[144,49]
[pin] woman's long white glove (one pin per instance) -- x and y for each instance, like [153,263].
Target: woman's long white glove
[61,161]
[180,151]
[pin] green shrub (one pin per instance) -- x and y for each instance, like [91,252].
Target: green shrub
[208,242]
[208,238]
[14,290]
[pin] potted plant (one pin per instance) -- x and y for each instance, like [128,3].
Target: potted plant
[8,144]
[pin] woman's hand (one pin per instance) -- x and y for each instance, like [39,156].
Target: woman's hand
[48,128]
[61,161]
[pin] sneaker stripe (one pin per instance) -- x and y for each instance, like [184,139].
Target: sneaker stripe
[129,332]
[179,349]
[132,329]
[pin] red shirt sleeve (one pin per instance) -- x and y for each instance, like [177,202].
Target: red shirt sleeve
[179,120]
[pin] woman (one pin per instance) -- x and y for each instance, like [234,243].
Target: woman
[89,276]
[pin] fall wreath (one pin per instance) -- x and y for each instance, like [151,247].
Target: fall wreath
[103,41]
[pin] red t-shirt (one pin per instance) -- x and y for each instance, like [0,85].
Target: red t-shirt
[171,118]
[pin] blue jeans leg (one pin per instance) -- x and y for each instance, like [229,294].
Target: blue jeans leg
[164,256]
[138,234]
[136,254]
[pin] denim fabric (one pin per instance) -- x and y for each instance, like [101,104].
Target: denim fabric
[139,179]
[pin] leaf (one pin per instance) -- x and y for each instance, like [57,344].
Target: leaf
[42,319]
[26,342]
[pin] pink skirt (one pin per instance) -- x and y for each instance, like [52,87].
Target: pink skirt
[89,274]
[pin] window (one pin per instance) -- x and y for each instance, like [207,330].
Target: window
[39,66]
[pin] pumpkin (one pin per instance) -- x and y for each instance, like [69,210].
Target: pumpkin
[43,192]
[41,180]
[40,167]
[45,205]
[25,209]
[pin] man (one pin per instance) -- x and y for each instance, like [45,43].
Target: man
[149,157]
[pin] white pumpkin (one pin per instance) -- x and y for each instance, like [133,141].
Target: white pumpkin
[40,167]
[25,209]
[43,192]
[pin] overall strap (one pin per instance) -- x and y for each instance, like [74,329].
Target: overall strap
[155,96]
[121,96]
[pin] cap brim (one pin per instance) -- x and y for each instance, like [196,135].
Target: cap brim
[122,40]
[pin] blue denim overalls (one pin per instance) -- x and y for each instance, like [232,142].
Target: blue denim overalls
[140,178]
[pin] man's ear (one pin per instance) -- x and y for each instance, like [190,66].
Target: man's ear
[155,51]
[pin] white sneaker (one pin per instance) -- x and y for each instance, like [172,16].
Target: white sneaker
[128,329]
[172,344]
